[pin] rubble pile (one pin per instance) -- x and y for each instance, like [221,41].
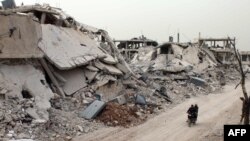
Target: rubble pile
[63,125]
[60,78]
[16,118]
[171,58]
[60,65]
[120,115]
[182,70]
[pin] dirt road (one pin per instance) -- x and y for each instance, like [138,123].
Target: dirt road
[215,110]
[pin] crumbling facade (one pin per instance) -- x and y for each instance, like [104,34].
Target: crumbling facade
[129,47]
[221,47]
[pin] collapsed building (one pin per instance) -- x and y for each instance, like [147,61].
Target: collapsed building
[56,72]
[189,64]
[172,57]
[130,47]
[222,48]
[46,54]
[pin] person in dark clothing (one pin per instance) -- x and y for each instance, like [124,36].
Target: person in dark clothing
[196,108]
[191,111]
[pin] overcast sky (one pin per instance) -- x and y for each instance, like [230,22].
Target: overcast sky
[158,19]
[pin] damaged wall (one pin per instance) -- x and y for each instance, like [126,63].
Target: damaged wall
[19,37]
[25,81]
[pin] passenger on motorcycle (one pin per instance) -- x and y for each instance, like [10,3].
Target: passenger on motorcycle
[196,108]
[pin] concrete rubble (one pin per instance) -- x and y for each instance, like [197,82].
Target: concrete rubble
[176,71]
[60,78]
[50,61]
[93,109]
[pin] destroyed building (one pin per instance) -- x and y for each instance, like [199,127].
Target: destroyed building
[129,47]
[184,63]
[56,72]
[222,48]
[45,53]
[172,57]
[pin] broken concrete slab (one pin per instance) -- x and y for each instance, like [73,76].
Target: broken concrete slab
[92,68]
[140,99]
[75,80]
[67,48]
[109,68]
[108,59]
[198,81]
[116,52]
[92,110]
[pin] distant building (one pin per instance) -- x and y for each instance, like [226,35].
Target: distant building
[222,48]
[129,47]
[245,56]
[135,43]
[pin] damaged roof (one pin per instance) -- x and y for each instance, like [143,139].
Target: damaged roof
[67,48]
[40,30]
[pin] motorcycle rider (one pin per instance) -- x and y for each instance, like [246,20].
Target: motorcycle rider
[191,111]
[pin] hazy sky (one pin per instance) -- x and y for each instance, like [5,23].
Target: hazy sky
[158,19]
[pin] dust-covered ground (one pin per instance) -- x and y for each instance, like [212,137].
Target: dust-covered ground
[215,110]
